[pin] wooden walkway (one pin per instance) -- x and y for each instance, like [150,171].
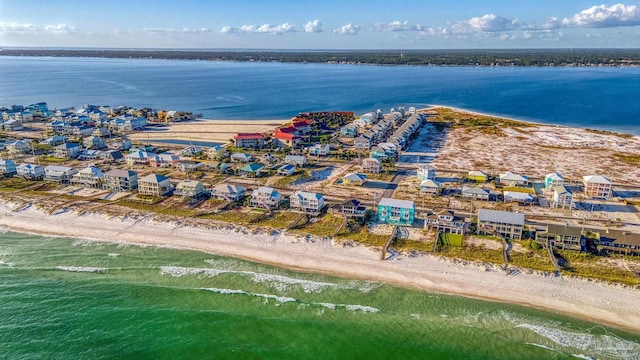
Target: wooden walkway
[552,257]
[392,237]
[344,222]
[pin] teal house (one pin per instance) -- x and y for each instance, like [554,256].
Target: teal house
[396,212]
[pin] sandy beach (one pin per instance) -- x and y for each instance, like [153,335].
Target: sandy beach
[602,303]
[206,130]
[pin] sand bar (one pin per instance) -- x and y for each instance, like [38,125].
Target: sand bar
[602,303]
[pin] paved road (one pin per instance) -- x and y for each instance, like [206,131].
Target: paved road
[393,185]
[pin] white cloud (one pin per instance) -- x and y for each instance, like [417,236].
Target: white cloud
[348,29]
[487,23]
[162,31]
[314,26]
[397,26]
[259,29]
[17,28]
[603,16]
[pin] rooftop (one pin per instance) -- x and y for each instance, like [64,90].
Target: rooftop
[497,216]
[405,204]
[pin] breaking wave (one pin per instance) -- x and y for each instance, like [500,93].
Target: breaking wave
[82,269]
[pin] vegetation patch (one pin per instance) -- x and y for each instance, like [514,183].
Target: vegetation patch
[632,159]
[322,226]
[363,236]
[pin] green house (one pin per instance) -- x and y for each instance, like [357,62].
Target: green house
[253,169]
[396,212]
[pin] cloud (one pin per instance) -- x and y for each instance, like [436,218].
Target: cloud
[314,26]
[487,23]
[17,28]
[161,31]
[397,26]
[348,29]
[601,16]
[259,29]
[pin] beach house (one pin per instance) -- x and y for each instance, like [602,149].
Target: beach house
[121,180]
[470,192]
[354,179]
[7,168]
[518,197]
[138,158]
[297,160]
[164,160]
[252,170]
[426,172]
[307,202]
[371,166]
[228,192]
[248,140]
[597,186]
[266,197]
[619,242]
[67,150]
[446,221]
[511,179]
[241,158]
[563,237]
[552,180]
[319,150]
[30,171]
[362,143]
[562,197]
[430,187]
[287,136]
[505,224]
[286,170]
[18,146]
[477,176]
[349,208]
[154,185]
[396,212]
[190,188]
[94,142]
[61,174]
[90,176]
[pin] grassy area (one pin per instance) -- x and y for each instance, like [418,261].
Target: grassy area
[288,180]
[364,237]
[605,132]
[447,239]
[52,159]
[473,253]
[279,220]
[632,159]
[159,209]
[591,266]
[236,217]
[519,189]
[413,245]
[536,260]
[323,226]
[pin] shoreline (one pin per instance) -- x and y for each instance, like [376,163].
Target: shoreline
[616,306]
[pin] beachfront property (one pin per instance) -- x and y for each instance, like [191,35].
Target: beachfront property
[121,180]
[597,186]
[241,158]
[19,146]
[506,224]
[447,222]
[426,172]
[10,125]
[562,197]
[287,136]
[519,197]
[190,188]
[396,212]
[30,171]
[297,160]
[552,180]
[228,192]
[138,158]
[307,202]
[94,142]
[61,174]
[349,208]
[286,170]
[266,197]
[470,192]
[67,150]
[154,185]
[562,237]
[354,179]
[430,187]
[477,176]
[511,179]
[90,176]
[7,168]
[319,150]
[252,170]
[619,242]
[248,140]
[371,166]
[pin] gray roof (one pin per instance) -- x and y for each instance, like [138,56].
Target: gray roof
[474,191]
[58,168]
[564,230]
[497,216]
[561,189]
[405,204]
[121,173]
[231,189]
[153,178]
[598,179]
[295,158]
[517,195]
[307,195]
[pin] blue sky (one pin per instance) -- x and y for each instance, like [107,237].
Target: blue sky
[327,24]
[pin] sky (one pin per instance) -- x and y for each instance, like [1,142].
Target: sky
[326,24]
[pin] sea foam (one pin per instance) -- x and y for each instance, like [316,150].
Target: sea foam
[84,269]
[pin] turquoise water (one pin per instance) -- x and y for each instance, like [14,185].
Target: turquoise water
[586,97]
[75,299]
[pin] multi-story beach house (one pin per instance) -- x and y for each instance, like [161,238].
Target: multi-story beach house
[552,180]
[18,146]
[266,197]
[349,208]
[286,137]
[362,143]
[154,185]
[597,186]
[506,224]
[431,187]
[121,180]
[319,150]
[228,192]
[426,172]
[371,166]
[446,221]
[164,160]
[307,202]
[67,150]
[138,158]
[7,168]
[61,174]
[562,197]
[477,176]
[470,192]
[396,212]
[563,237]
[286,170]
[297,160]
[511,179]
[30,171]
[354,179]
[90,176]
[518,197]
[190,188]
[248,140]
[619,242]
[252,170]
[241,158]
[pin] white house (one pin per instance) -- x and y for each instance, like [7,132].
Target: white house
[266,197]
[597,186]
[7,168]
[562,197]
[30,171]
[426,172]
[90,176]
[306,201]
[228,192]
[190,188]
[154,185]
[511,179]
[61,174]
[297,160]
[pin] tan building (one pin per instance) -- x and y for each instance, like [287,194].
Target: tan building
[500,223]
[154,185]
[597,186]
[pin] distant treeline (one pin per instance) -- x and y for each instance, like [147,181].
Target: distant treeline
[532,57]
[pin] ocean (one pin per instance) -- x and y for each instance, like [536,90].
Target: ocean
[67,298]
[603,98]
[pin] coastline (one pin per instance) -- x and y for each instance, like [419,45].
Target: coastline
[588,300]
